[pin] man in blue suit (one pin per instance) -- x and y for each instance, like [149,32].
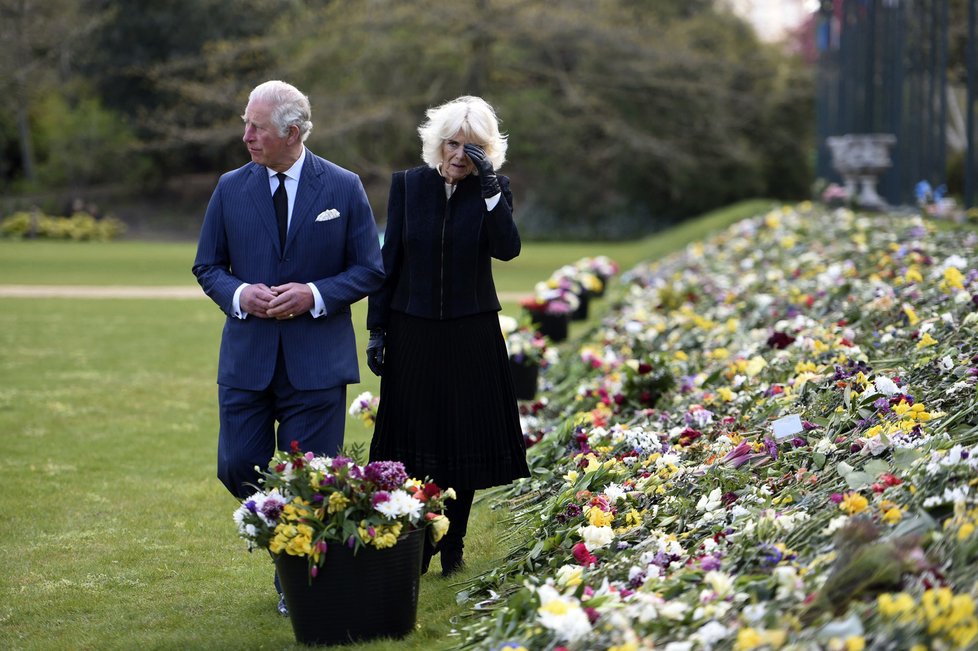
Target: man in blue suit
[288,243]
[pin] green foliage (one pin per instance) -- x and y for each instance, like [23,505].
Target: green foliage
[81,143]
[624,116]
[80,226]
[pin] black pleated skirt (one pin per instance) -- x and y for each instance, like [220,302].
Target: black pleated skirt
[447,402]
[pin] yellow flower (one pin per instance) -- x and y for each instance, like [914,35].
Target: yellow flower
[681,356]
[599,518]
[337,502]
[911,315]
[855,643]
[726,394]
[748,638]
[570,575]
[385,535]
[925,341]
[439,527]
[571,476]
[628,646]
[913,275]
[953,278]
[965,531]
[892,516]
[805,367]
[919,412]
[853,503]
[555,607]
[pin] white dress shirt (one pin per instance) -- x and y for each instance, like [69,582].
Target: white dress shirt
[291,186]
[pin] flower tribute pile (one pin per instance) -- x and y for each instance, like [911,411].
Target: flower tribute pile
[771,442]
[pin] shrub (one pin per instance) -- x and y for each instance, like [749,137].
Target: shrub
[79,226]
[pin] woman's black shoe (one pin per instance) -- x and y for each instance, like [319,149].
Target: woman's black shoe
[451,560]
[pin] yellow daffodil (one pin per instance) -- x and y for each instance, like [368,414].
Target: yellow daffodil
[853,503]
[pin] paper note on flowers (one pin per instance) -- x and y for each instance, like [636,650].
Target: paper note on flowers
[787,426]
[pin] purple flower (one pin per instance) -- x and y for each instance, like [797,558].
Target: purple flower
[341,462]
[250,505]
[772,448]
[770,555]
[388,475]
[271,509]
[708,563]
[379,498]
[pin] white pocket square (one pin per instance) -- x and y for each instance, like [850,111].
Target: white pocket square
[327,215]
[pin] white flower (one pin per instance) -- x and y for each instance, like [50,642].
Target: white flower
[874,446]
[949,496]
[570,575]
[614,492]
[719,582]
[710,502]
[507,324]
[835,524]
[562,615]
[674,610]
[886,386]
[710,634]
[824,446]
[360,403]
[596,537]
[788,581]
[399,504]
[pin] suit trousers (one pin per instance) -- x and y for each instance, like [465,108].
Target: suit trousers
[316,419]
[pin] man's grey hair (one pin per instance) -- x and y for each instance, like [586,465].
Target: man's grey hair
[289,106]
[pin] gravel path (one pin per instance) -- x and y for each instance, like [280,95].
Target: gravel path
[132,291]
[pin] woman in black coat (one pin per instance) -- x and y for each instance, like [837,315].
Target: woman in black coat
[447,403]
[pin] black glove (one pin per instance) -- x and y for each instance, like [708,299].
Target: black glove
[490,184]
[375,351]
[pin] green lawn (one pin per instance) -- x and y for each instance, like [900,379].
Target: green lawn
[114,530]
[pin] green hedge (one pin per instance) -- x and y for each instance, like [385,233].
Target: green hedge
[79,226]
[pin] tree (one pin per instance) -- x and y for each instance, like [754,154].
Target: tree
[39,38]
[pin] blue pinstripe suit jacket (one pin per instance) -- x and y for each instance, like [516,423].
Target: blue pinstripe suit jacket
[239,243]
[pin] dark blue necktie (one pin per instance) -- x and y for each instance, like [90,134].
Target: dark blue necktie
[281,200]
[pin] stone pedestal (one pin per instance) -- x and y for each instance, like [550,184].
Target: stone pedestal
[860,158]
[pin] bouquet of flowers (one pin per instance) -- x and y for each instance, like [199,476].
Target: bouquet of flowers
[551,300]
[603,266]
[525,345]
[364,407]
[310,502]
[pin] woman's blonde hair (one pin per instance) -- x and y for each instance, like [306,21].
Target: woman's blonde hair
[477,121]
